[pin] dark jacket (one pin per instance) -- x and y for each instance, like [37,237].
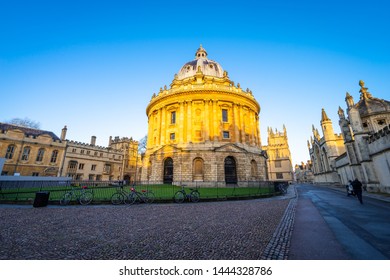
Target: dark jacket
[357,185]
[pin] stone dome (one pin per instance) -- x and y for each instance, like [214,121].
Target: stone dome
[207,66]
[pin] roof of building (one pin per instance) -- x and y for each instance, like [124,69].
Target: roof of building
[28,131]
[369,105]
[207,66]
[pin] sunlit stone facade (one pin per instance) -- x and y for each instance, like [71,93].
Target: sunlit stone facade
[362,150]
[279,156]
[204,128]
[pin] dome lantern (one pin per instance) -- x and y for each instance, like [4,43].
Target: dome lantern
[201,53]
[207,66]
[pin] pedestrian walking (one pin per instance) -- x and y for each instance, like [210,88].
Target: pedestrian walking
[357,189]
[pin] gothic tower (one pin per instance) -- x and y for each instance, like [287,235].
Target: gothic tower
[279,156]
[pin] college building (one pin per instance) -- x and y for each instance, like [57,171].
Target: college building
[361,151]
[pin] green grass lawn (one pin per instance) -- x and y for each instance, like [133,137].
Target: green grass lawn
[161,192]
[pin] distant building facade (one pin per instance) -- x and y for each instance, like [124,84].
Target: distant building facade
[203,129]
[366,144]
[30,152]
[303,172]
[34,152]
[324,151]
[279,164]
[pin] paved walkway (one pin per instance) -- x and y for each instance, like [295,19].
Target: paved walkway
[304,235]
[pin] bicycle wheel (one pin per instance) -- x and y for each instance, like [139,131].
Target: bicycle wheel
[131,198]
[117,198]
[179,197]
[86,198]
[149,197]
[195,196]
[66,198]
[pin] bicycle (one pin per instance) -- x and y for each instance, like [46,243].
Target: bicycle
[83,195]
[181,195]
[143,196]
[121,196]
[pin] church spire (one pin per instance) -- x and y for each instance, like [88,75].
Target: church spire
[349,100]
[341,113]
[324,116]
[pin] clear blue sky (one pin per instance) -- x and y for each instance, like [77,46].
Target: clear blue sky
[94,65]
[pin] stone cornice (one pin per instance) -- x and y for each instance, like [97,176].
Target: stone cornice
[174,94]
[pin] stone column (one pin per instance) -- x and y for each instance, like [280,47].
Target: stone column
[206,121]
[215,121]
[242,124]
[258,130]
[252,118]
[181,122]
[163,124]
[189,121]
[236,121]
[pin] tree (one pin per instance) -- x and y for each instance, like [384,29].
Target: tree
[26,122]
[142,144]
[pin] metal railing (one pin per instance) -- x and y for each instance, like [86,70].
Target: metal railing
[25,191]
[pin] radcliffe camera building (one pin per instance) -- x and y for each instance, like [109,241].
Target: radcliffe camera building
[204,128]
[362,150]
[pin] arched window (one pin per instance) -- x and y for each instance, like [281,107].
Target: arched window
[198,169]
[325,159]
[26,153]
[253,168]
[54,156]
[10,152]
[318,160]
[40,154]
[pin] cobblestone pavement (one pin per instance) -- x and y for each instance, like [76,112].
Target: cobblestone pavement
[207,230]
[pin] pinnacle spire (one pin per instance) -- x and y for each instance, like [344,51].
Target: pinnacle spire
[324,116]
[364,94]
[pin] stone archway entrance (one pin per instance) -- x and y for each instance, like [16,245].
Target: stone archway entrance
[230,171]
[168,171]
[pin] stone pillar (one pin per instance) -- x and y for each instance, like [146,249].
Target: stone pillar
[258,130]
[189,121]
[215,121]
[181,122]
[163,130]
[252,120]
[206,121]
[242,124]
[236,121]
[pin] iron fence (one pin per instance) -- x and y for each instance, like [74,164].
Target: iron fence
[25,191]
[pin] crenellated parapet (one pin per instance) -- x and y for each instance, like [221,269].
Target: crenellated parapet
[88,145]
[384,132]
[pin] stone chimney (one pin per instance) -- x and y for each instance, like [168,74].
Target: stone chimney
[63,133]
[93,140]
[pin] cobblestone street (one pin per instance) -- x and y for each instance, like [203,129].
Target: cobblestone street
[209,230]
